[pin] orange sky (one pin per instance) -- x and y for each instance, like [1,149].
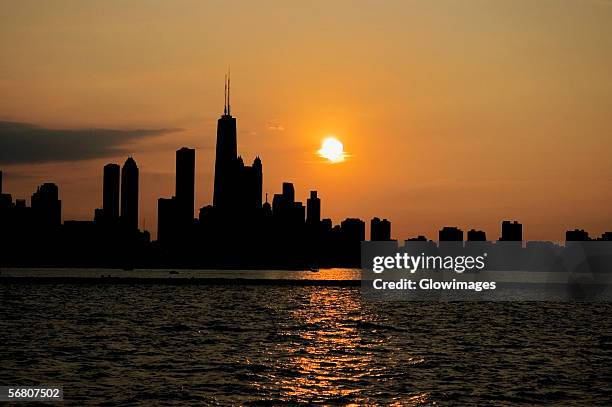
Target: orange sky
[454,113]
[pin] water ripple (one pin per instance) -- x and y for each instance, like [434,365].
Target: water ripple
[262,345]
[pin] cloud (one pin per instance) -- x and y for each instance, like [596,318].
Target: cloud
[276,127]
[22,143]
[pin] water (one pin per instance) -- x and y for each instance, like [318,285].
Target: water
[245,344]
[322,274]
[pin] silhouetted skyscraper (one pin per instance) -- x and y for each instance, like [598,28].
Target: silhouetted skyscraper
[511,231]
[237,187]
[110,192]
[288,192]
[450,234]
[287,210]
[256,183]
[226,156]
[476,236]
[129,194]
[380,230]
[313,209]
[249,184]
[284,205]
[46,206]
[185,182]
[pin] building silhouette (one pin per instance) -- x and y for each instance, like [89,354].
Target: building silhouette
[46,206]
[283,204]
[476,236]
[511,231]
[353,230]
[225,157]
[266,209]
[236,187]
[577,235]
[175,220]
[289,193]
[251,183]
[581,235]
[110,192]
[185,185]
[129,194]
[380,230]
[450,234]
[313,209]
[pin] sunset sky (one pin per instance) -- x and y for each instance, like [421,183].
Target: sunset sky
[458,113]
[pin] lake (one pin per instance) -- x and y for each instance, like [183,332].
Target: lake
[131,344]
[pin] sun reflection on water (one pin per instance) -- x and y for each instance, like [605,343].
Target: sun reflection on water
[326,361]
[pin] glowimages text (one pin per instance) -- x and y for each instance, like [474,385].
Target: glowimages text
[434,266]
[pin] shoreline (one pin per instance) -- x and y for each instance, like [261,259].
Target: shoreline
[176,281]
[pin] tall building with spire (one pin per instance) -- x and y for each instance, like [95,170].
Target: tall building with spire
[237,187]
[226,158]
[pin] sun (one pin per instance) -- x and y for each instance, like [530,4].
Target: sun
[332,149]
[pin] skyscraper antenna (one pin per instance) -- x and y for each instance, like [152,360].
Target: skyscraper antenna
[229,106]
[225,96]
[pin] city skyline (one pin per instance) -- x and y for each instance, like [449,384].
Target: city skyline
[278,233]
[437,101]
[237,189]
[237,194]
